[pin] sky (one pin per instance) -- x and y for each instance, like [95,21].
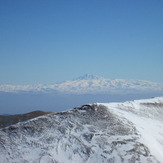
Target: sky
[56,40]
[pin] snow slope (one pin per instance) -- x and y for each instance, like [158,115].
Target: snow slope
[147,117]
[109,133]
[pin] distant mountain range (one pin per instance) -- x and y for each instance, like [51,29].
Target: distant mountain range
[89,84]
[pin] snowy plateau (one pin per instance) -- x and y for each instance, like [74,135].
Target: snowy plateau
[89,84]
[129,132]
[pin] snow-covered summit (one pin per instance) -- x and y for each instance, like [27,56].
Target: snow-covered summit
[90,84]
[101,132]
[88,77]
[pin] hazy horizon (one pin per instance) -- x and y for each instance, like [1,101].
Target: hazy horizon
[54,41]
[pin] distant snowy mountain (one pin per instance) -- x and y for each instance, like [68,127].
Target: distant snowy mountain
[89,84]
[130,132]
[88,77]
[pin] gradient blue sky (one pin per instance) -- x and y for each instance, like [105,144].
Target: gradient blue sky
[55,40]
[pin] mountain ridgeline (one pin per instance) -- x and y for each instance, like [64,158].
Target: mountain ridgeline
[99,132]
[16,99]
[89,84]
[7,120]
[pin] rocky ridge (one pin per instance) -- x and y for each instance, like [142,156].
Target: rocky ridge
[108,133]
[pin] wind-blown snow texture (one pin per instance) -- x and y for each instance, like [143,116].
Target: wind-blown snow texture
[130,132]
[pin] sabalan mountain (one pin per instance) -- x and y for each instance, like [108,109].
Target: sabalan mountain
[129,132]
[89,84]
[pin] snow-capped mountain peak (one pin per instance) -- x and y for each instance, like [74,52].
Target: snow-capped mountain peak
[88,77]
[90,84]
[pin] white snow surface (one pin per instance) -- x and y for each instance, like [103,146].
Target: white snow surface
[89,84]
[129,132]
[147,117]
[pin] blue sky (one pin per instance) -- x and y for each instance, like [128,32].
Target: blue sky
[55,40]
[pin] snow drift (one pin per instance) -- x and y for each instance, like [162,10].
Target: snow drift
[109,133]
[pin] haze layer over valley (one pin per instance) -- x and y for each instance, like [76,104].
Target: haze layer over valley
[68,94]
